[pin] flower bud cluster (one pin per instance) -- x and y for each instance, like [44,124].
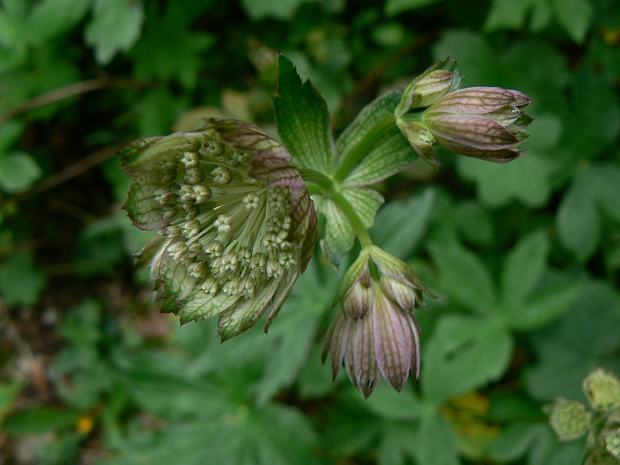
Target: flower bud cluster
[376,334]
[571,419]
[236,224]
[479,122]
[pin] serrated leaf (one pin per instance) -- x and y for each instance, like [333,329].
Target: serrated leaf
[372,147]
[464,277]
[523,267]
[115,26]
[303,119]
[525,179]
[401,223]
[574,16]
[393,7]
[339,233]
[463,353]
[21,281]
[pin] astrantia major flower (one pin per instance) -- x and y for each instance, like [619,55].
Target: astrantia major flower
[376,334]
[480,122]
[236,224]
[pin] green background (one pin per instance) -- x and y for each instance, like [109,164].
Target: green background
[524,257]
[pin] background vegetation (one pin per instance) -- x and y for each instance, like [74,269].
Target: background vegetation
[524,257]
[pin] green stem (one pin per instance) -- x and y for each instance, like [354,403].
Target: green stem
[332,189]
[362,148]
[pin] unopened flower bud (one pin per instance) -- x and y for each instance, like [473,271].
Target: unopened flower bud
[479,122]
[602,390]
[569,418]
[376,335]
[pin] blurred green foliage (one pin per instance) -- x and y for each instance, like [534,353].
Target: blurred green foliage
[524,257]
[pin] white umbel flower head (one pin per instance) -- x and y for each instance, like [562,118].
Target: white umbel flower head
[236,223]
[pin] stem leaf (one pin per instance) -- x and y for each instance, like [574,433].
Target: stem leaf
[303,119]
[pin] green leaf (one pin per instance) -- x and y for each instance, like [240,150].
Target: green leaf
[49,18]
[585,337]
[18,172]
[8,394]
[21,282]
[435,441]
[474,223]
[579,214]
[293,334]
[519,438]
[594,120]
[169,49]
[303,119]
[526,179]
[372,147]
[279,9]
[339,233]
[387,403]
[115,26]
[40,420]
[523,267]
[464,277]
[472,52]
[274,435]
[506,14]
[463,353]
[401,223]
[542,308]
[393,7]
[574,16]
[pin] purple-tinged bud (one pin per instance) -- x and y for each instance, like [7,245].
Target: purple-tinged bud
[480,122]
[438,80]
[376,335]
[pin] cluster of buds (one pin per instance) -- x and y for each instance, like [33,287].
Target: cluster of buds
[571,419]
[236,223]
[479,122]
[376,334]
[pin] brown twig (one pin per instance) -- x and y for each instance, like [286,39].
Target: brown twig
[71,171]
[71,90]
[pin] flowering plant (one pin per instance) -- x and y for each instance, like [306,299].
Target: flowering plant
[237,226]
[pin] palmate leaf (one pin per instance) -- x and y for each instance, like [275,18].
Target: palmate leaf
[585,337]
[115,26]
[273,435]
[464,352]
[302,119]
